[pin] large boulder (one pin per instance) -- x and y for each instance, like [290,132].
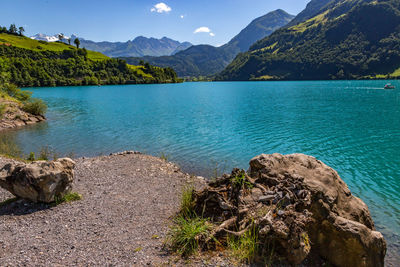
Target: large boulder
[298,204]
[39,181]
[342,230]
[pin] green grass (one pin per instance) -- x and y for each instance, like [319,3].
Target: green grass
[187,205]
[164,156]
[246,247]
[396,73]
[313,22]
[28,43]
[241,181]
[67,198]
[185,234]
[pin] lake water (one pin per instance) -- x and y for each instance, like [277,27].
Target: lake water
[353,126]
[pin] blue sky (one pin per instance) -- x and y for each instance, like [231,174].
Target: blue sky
[122,20]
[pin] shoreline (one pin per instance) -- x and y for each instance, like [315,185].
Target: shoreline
[14,117]
[110,178]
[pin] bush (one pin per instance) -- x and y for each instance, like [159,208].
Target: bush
[35,107]
[31,156]
[13,91]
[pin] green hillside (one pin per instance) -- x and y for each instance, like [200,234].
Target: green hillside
[26,62]
[350,39]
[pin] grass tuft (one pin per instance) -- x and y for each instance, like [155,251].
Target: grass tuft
[246,247]
[31,157]
[185,234]
[187,205]
[164,156]
[240,181]
[67,198]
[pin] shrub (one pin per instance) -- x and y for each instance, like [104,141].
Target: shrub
[35,107]
[13,91]
[31,157]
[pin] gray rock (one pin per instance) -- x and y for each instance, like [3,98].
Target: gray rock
[39,181]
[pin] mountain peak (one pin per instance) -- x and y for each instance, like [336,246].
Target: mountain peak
[259,28]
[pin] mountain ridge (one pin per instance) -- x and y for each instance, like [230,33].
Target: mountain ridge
[206,60]
[138,47]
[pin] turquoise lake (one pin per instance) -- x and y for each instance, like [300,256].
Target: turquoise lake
[353,126]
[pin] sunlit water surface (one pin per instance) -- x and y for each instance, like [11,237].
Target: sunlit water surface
[353,126]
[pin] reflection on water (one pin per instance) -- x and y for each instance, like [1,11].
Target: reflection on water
[353,126]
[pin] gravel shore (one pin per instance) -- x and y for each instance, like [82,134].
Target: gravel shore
[128,201]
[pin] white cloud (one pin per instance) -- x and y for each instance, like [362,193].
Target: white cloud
[205,30]
[161,8]
[202,29]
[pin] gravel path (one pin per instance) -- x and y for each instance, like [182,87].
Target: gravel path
[127,204]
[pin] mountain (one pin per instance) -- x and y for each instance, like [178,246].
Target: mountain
[204,60]
[346,39]
[258,29]
[196,61]
[313,8]
[27,62]
[139,47]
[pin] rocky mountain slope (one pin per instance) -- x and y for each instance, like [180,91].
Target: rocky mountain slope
[138,47]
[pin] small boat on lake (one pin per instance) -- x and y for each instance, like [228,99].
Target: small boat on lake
[389,86]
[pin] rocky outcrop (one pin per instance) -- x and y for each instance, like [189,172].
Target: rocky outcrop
[39,181]
[297,203]
[13,116]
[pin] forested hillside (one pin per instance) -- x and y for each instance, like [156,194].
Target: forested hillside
[26,62]
[348,39]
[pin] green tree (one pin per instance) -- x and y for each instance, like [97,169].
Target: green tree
[21,31]
[12,29]
[77,42]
